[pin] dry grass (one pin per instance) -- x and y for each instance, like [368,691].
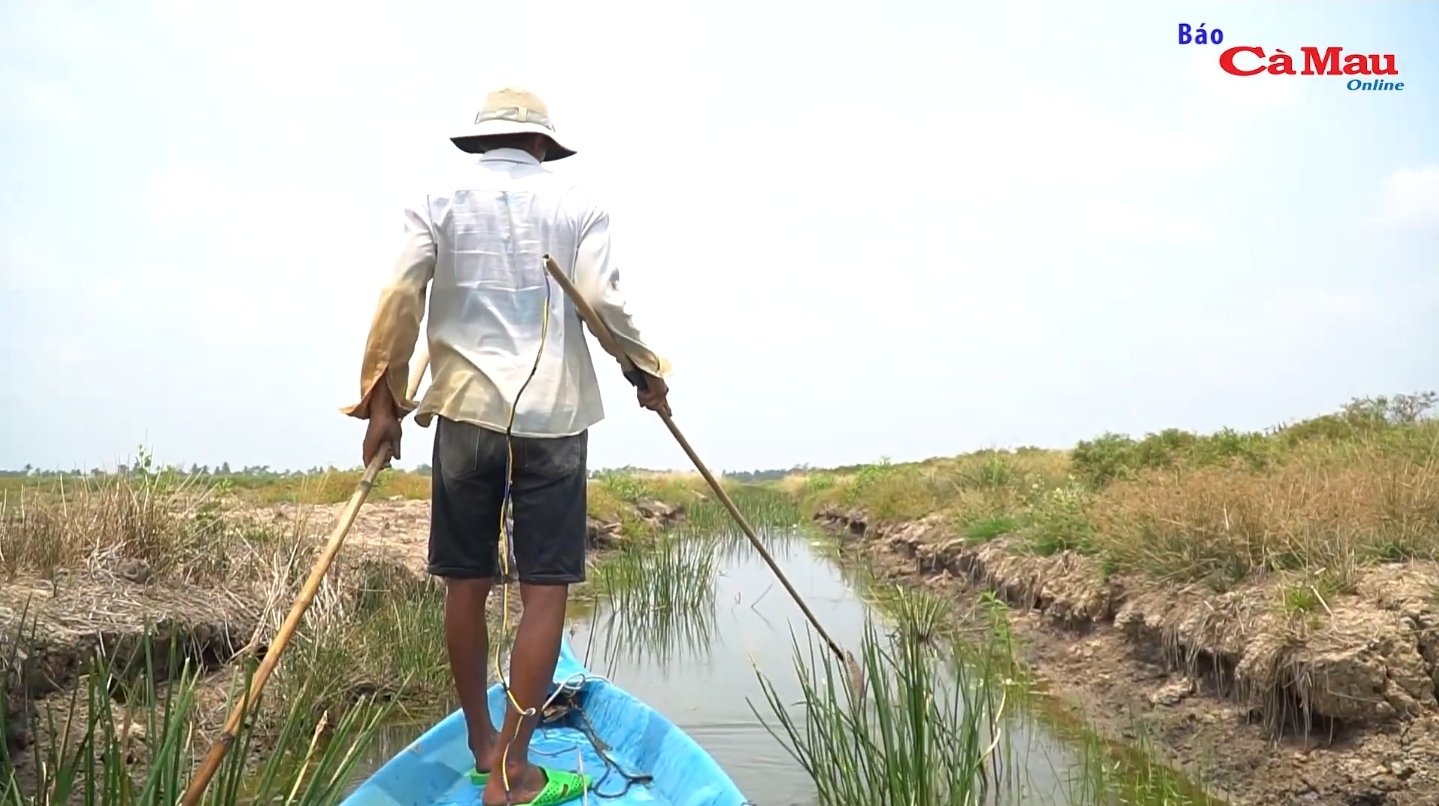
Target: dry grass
[976,485]
[334,487]
[1322,496]
[99,561]
[1320,508]
[140,526]
[205,529]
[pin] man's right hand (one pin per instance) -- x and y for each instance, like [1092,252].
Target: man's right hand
[383,428]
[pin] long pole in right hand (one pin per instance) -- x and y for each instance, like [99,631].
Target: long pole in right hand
[607,340]
[211,762]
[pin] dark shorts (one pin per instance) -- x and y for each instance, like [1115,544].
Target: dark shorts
[547,498]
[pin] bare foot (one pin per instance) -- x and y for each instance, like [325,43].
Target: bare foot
[525,785]
[484,750]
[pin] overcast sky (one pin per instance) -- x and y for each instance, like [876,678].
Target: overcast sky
[858,229]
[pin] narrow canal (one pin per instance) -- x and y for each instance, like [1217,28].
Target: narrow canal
[697,662]
[699,667]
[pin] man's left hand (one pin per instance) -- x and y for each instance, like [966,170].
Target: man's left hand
[655,395]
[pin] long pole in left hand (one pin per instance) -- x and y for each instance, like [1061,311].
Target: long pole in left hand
[607,340]
[222,745]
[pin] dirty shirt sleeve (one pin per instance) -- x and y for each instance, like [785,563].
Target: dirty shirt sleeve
[597,276]
[395,327]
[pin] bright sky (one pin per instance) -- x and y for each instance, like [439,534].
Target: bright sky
[858,229]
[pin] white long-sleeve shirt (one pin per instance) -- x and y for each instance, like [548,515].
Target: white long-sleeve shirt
[479,246]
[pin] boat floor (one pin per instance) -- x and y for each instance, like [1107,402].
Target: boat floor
[642,757]
[569,749]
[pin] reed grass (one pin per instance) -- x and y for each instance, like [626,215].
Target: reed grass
[673,573]
[980,648]
[664,638]
[1128,776]
[928,730]
[931,731]
[202,528]
[173,527]
[385,639]
[146,749]
[762,505]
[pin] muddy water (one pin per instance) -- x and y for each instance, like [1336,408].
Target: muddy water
[699,669]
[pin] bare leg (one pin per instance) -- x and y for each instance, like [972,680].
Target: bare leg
[467,637]
[532,669]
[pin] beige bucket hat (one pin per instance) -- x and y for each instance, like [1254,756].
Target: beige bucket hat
[511,110]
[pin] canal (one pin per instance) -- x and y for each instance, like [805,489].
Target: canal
[690,627]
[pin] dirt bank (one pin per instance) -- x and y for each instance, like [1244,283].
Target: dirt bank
[1268,694]
[62,622]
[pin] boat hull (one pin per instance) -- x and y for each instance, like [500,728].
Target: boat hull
[647,758]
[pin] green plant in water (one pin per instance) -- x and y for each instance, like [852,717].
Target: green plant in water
[1128,775]
[674,572]
[929,617]
[761,506]
[928,733]
[654,635]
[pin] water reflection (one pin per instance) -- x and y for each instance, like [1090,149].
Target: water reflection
[700,671]
[663,637]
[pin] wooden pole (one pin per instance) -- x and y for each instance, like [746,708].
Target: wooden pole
[607,340]
[211,763]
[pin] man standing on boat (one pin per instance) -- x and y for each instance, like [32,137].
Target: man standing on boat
[511,377]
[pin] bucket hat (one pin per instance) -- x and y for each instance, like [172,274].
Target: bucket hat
[511,110]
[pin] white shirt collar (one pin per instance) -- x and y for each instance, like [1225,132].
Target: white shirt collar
[509,155]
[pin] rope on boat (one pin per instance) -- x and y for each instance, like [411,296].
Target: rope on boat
[566,702]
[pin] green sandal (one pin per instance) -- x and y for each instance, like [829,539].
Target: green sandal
[561,786]
[479,778]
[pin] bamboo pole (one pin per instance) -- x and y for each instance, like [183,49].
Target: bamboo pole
[211,763]
[611,346]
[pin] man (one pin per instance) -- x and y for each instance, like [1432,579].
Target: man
[478,244]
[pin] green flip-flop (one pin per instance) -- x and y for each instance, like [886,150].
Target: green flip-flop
[561,786]
[479,778]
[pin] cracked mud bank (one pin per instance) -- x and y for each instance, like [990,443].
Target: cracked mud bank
[1334,705]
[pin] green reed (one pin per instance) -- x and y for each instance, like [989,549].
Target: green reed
[673,572]
[659,636]
[147,753]
[925,731]
[761,506]
[389,641]
[1129,776]
[658,595]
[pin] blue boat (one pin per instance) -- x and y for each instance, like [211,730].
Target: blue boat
[642,756]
